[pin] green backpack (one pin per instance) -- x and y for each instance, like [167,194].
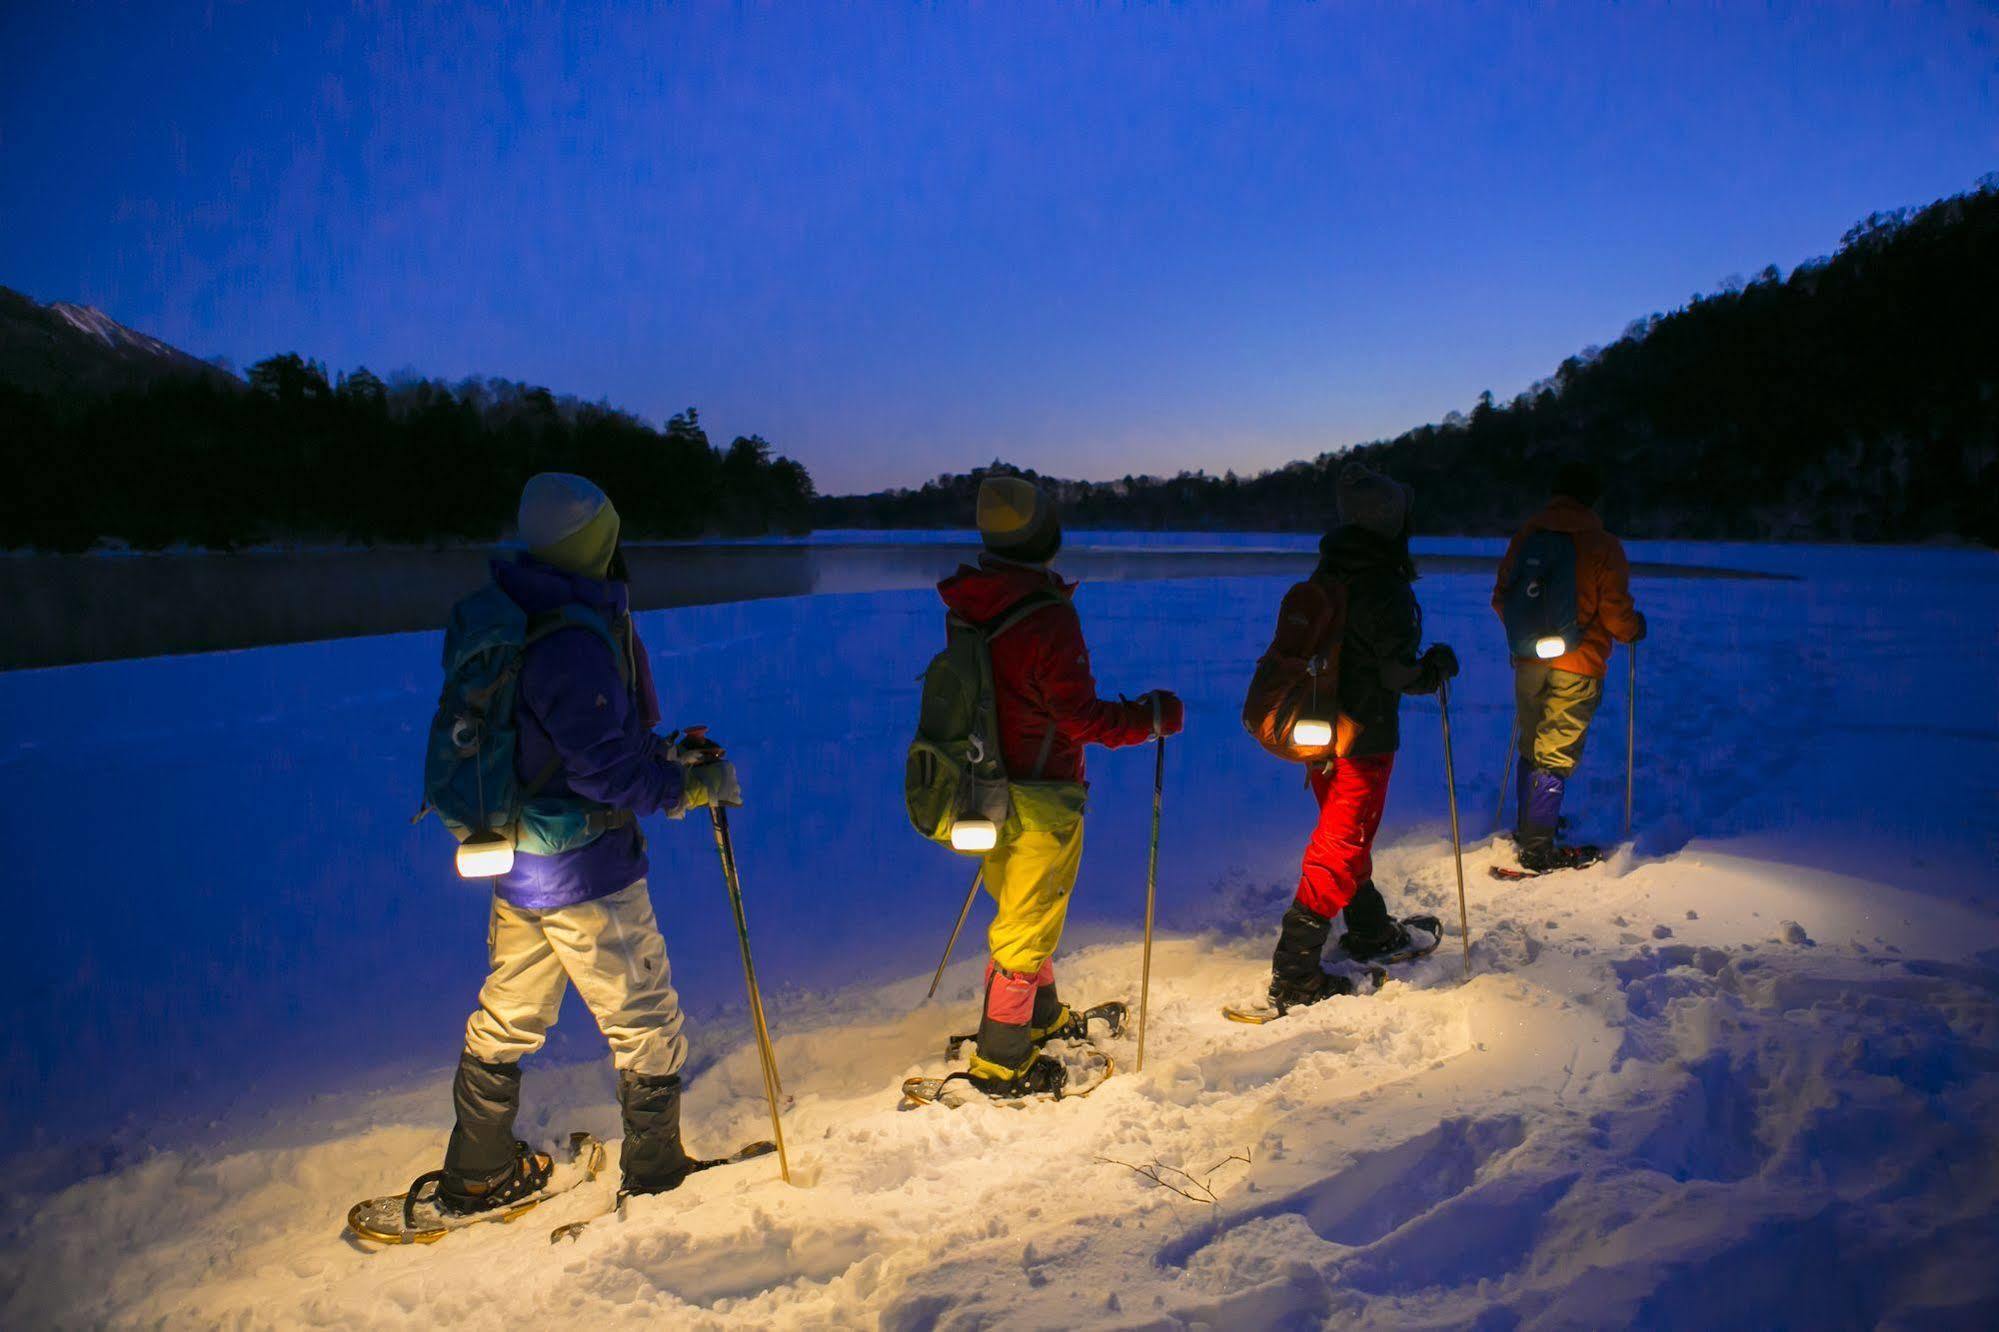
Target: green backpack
[468,765]
[954,772]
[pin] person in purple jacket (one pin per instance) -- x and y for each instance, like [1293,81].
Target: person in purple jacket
[582,916]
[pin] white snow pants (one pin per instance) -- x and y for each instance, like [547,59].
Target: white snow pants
[611,948]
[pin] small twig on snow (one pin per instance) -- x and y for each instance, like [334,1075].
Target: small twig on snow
[1203,1185]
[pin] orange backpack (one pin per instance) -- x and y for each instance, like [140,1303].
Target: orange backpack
[1298,675]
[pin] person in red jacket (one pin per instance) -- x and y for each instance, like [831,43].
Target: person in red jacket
[1555,699]
[1048,710]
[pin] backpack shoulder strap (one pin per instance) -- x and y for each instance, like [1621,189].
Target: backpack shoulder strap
[1029,604]
[541,625]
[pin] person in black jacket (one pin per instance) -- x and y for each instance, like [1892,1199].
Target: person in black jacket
[1368,553]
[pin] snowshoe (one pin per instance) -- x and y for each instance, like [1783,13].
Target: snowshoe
[433,1206]
[1533,864]
[747,1152]
[1287,993]
[1076,1028]
[1404,941]
[1044,1079]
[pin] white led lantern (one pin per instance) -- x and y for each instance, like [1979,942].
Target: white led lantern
[1554,645]
[485,855]
[1311,732]
[974,835]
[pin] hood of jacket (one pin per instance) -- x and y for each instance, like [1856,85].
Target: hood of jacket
[538,587]
[1562,514]
[1348,550]
[989,589]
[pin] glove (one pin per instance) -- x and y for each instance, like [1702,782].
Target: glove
[1441,662]
[1643,628]
[711,783]
[1169,714]
[691,746]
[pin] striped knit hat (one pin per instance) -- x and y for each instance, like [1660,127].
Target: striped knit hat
[566,521]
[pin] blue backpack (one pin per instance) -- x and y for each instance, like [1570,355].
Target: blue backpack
[468,764]
[1539,609]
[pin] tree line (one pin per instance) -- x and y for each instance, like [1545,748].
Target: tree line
[296,455]
[1856,399]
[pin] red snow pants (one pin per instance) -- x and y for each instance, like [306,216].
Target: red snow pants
[1352,793]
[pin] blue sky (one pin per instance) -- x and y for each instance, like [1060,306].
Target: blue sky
[901,240]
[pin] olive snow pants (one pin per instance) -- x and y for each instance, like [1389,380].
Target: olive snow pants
[1553,710]
[611,949]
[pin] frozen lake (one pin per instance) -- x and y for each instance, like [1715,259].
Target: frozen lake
[67,609]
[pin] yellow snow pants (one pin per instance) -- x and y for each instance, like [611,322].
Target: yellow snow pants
[1030,875]
[1554,709]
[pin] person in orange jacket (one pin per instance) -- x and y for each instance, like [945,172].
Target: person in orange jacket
[1555,697]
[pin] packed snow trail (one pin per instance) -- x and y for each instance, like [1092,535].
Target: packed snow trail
[1744,1075]
[1685,1092]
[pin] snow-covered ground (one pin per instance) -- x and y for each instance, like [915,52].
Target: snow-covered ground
[1744,1074]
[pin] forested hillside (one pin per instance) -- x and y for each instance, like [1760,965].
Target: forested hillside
[1855,399]
[299,456]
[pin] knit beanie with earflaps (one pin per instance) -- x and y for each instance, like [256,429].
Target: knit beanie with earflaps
[566,521]
[1017,521]
[1372,502]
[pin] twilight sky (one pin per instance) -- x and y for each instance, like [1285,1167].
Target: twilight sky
[898,240]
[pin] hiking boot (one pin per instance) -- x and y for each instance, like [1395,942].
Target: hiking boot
[1296,978]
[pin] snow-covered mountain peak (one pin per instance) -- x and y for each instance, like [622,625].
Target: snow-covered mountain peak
[90,320]
[66,347]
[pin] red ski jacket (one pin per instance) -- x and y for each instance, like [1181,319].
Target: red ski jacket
[1041,672]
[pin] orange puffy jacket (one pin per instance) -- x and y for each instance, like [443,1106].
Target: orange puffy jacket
[1603,583]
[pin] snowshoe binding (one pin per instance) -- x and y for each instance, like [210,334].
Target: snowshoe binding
[1070,1025]
[1045,1078]
[1404,940]
[1535,862]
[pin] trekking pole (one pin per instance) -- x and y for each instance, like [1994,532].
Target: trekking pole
[726,848]
[1151,882]
[1457,847]
[1506,776]
[1630,733]
[952,943]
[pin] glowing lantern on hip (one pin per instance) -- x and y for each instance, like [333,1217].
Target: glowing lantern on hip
[974,835]
[1554,645]
[1311,733]
[485,855]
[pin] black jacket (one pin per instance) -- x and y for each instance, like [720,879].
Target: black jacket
[1378,655]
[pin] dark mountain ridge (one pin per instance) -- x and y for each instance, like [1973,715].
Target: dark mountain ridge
[1856,399]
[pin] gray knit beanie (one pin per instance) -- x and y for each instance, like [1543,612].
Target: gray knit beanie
[1373,502]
